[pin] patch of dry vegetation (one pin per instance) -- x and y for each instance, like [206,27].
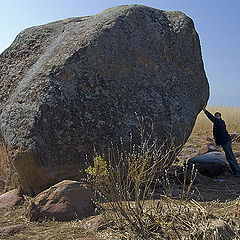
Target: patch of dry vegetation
[188,220]
[45,230]
[171,219]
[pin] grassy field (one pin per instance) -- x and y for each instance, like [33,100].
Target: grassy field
[176,218]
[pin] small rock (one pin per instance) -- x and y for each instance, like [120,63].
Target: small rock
[64,201]
[95,223]
[209,166]
[11,230]
[209,147]
[11,199]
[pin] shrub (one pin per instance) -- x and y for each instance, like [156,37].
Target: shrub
[124,181]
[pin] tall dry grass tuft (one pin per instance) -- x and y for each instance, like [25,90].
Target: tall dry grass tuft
[231,116]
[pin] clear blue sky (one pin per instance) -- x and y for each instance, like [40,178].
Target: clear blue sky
[217,22]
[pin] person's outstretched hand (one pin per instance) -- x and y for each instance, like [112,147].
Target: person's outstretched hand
[204,107]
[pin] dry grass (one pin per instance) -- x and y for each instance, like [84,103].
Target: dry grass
[187,220]
[231,116]
[46,230]
[173,219]
[177,219]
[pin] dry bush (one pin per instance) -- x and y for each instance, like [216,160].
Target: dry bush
[191,220]
[128,187]
[126,180]
[230,115]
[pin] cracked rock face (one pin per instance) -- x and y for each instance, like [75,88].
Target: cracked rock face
[72,85]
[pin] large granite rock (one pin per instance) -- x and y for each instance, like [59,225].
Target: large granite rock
[72,85]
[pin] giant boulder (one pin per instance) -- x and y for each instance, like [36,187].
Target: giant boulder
[70,86]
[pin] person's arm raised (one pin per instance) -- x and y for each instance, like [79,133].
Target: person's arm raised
[210,116]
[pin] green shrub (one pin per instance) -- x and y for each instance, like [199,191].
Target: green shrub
[99,168]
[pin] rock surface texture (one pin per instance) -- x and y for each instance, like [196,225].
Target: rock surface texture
[64,201]
[72,85]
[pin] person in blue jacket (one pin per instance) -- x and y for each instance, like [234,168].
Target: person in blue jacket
[223,139]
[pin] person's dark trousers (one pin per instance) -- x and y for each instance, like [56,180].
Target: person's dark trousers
[227,147]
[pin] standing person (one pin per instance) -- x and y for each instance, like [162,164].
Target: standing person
[223,139]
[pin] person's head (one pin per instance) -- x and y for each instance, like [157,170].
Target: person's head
[218,115]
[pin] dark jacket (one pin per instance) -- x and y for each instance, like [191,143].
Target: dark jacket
[220,133]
